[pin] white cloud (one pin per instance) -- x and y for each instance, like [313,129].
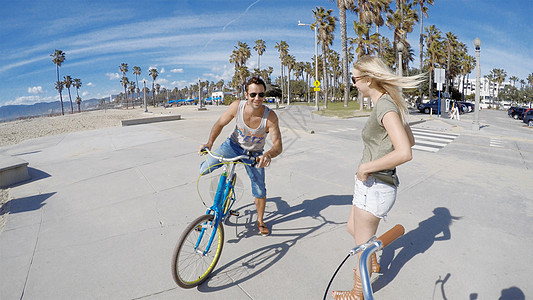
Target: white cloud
[113,76]
[162,71]
[35,90]
[84,94]
[161,81]
[90,84]
[176,70]
[29,100]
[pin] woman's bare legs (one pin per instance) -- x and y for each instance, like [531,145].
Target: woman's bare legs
[362,225]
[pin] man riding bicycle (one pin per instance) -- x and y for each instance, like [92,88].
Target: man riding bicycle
[253,122]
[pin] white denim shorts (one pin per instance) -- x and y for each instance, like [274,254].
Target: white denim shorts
[374,196]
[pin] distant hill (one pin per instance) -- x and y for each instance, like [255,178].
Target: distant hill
[13,112]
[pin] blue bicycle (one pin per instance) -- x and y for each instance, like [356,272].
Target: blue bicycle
[200,245]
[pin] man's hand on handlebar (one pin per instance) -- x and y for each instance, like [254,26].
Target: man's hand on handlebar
[201,150]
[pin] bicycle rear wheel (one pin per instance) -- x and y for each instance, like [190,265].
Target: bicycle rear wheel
[190,266]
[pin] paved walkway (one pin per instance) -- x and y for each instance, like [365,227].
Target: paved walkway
[101,216]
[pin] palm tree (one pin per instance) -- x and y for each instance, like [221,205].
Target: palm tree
[123,68]
[344,5]
[514,79]
[451,45]
[308,68]
[290,62]
[467,64]
[131,88]
[378,7]
[124,81]
[402,21]
[423,12]
[77,85]
[157,90]
[283,49]
[136,72]
[239,57]
[58,59]
[68,82]
[326,26]
[499,76]
[433,52]
[59,88]
[260,49]
[153,73]
[529,79]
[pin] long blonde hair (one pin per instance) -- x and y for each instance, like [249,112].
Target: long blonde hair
[373,67]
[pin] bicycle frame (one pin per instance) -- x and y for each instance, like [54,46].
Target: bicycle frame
[225,186]
[221,196]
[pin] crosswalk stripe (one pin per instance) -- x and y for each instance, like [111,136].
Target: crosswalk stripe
[431,140]
[496,143]
[424,148]
[434,131]
[442,136]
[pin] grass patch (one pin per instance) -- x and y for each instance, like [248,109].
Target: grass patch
[337,109]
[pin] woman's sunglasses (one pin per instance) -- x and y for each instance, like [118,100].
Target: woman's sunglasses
[356,78]
[261,95]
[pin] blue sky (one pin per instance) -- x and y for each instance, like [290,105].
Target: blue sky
[190,39]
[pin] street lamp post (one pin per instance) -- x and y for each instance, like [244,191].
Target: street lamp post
[144,96]
[200,93]
[316,61]
[475,124]
[399,47]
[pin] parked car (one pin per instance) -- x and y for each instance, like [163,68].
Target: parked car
[426,107]
[528,117]
[434,104]
[516,112]
[526,110]
[470,107]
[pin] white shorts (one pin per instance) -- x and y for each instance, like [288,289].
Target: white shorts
[374,196]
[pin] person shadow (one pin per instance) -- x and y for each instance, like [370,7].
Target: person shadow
[417,241]
[252,263]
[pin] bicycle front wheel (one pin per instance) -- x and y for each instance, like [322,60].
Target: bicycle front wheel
[190,266]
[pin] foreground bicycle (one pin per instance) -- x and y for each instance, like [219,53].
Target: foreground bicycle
[200,245]
[371,246]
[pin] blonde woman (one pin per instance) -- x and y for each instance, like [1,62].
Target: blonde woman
[387,140]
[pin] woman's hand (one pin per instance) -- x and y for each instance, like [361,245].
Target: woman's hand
[362,174]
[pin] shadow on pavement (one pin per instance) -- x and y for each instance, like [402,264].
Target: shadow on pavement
[255,262]
[27,203]
[414,242]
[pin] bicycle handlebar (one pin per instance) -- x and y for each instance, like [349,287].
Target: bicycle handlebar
[389,236]
[233,159]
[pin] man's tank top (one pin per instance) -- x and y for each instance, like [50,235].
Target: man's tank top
[248,138]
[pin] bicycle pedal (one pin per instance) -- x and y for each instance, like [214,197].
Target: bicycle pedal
[234,213]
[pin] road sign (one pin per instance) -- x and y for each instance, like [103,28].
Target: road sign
[439,75]
[316,83]
[317,89]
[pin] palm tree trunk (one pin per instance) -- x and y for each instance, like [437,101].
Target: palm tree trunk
[421,41]
[70,98]
[60,96]
[345,77]
[325,76]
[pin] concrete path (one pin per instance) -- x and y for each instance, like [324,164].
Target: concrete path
[104,209]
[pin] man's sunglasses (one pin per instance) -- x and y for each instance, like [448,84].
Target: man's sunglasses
[261,95]
[355,78]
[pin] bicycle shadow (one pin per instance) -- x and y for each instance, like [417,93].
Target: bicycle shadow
[253,263]
[414,242]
